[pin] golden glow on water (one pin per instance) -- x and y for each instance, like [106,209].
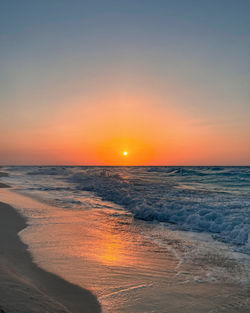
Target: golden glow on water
[111,249]
[105,243]
[106,239]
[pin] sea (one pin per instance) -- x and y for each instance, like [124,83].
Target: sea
[151,239]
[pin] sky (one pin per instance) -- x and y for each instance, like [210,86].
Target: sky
[167,81]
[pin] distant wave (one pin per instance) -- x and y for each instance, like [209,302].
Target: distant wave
[200,171]
[176,171]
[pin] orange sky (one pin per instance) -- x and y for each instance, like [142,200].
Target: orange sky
[99,133]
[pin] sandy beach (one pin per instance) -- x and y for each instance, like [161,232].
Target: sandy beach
[24,286]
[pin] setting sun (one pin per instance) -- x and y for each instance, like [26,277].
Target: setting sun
[125,153]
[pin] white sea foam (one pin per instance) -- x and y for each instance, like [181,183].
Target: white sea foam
[225,215]
[211,199]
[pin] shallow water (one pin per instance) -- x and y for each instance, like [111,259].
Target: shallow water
[132,265]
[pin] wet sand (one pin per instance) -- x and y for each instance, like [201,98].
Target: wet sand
[24,286]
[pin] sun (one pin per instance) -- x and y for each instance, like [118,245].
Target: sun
[125,153]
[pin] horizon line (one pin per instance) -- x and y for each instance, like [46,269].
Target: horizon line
[103,165]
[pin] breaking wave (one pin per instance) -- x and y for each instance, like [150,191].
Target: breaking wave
[223,214]
[207,199]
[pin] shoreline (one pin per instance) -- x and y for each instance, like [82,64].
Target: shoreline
[27,288]
[156,285]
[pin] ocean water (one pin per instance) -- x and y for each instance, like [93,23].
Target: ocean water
[139,236]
